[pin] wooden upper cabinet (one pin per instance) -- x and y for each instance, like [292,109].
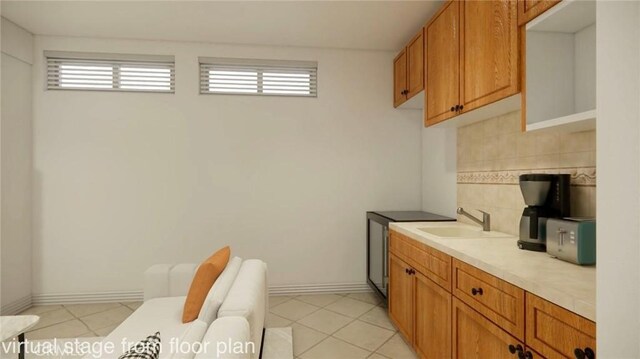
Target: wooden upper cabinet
[474,336]
[530,9]
[556,332]
[401,296]
[400,79]
[489,52]
[415,65]
[442,68]
[432,334]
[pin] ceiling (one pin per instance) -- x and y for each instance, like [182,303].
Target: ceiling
[370,25]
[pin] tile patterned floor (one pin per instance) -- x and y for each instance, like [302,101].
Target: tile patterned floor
[332,326]
[78,320]
[338,326]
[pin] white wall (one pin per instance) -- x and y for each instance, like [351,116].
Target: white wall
[16,149]
[439,170]
[618,194]
[124,180]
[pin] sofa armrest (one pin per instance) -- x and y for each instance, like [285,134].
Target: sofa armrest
[248,298]
[168,280]
[224,338]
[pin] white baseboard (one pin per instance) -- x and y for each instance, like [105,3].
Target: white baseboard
[135,296]
[80,298]
[319,288]
[17,306]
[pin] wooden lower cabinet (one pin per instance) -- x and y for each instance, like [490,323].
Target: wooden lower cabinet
[432,333]
[401,296]
[474,336]
[558,333]
[481,317]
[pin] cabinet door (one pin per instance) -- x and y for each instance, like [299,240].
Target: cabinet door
[556,332]
[400,79]
[442,68]
[489,52]
[401,296]
[530,9]
[474,336]
[432,335]
[415,65]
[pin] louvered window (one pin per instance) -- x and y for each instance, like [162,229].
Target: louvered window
[258,77]
[110,72]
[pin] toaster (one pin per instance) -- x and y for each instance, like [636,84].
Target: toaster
[572,240]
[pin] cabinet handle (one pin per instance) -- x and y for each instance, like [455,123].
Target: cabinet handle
[461,107]
[412,271]
[528,355]
[453,108]
[476,291]
[587,353]
[516,349]
[406,270]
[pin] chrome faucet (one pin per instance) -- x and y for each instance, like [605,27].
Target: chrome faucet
[486,218]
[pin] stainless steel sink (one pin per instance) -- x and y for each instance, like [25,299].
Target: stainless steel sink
[460,232]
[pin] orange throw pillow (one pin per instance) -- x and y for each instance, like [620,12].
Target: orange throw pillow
[202,282]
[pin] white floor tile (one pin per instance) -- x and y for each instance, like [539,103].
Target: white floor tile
[276,321]
[396,348]
[69,329]
[378,316]
[369,297]
[350,307]
[53,317]
[364,335]
[39,309]
[319,300]
[107,318]
[132,305]
[294,309]
[304,338]
[82,310]
[325,321]
[376,356]
[278,299]
[332,348]
[103,332]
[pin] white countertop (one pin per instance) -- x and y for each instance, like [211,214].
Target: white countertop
[568,285]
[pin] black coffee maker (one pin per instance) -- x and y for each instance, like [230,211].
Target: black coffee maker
[546,196]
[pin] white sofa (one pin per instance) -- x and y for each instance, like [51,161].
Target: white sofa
[233,313]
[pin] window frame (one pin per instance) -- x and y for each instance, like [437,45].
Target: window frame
[260,67]
[117,62]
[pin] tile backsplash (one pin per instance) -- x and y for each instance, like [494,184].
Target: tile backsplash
[493,153]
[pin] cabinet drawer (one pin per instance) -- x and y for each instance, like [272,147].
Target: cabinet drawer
[474,336]
[555,332]
[499,301]
[430,262]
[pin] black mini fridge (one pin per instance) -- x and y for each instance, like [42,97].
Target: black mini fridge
[378,242]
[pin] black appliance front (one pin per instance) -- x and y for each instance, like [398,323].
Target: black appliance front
[378,243]
[377,252]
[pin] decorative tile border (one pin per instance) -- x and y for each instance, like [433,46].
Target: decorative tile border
[580,176]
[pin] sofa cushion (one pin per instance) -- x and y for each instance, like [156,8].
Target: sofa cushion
[248,298]
[227,338]
[218,292]
[162,315]
[205,276]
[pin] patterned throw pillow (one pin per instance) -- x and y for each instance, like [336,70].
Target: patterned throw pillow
[145,349]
